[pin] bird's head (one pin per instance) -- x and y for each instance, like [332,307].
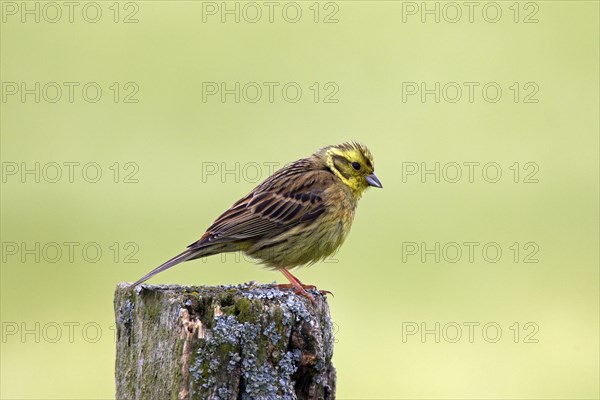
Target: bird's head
[352,162]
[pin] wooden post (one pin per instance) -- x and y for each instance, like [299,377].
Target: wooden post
[226,342]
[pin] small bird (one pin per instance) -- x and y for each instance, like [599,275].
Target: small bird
[299,215]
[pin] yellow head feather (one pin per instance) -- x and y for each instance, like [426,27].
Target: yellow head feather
[351,162]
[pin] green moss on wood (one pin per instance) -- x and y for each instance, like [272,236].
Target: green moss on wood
[254,342]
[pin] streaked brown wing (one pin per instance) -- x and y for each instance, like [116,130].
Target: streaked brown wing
[274,206]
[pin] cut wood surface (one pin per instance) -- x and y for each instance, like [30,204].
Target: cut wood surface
[247,341]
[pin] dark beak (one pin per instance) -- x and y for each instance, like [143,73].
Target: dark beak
[373,181]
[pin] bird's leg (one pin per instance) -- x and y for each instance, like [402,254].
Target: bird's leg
[299,287]
[296,284]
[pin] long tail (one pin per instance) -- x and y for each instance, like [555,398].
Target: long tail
[186,255]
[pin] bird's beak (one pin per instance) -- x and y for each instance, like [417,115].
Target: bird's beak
[373,181]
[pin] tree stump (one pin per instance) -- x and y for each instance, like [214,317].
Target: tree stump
[226,342]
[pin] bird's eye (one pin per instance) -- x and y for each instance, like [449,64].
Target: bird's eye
[356,165]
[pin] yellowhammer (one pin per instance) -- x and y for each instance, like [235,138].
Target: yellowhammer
[299,215]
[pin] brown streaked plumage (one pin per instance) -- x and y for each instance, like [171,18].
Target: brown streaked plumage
[298,216]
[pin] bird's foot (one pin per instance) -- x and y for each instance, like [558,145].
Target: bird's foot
[298,289]
[301,289]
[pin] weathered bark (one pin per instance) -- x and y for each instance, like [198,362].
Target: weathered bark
[226,342]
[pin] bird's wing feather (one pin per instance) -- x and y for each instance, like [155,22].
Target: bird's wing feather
[270,208]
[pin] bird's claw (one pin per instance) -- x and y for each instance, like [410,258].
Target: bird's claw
[302,290]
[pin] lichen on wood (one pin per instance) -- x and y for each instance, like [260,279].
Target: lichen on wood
[225,342]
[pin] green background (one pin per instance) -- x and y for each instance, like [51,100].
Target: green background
[380,290]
